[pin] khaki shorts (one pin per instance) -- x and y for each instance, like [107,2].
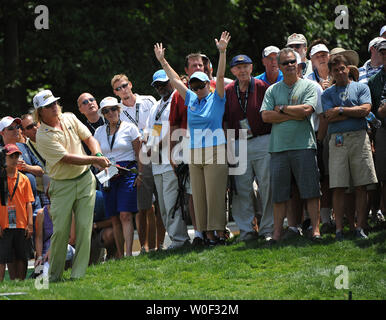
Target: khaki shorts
[353,160]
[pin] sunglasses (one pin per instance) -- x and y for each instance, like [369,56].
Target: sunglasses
[159,85]
[121,87]
[107,110]
[13,128]
[87,101]
[286,63]
[297,46]
[51,105]
[30,126]
[197,85]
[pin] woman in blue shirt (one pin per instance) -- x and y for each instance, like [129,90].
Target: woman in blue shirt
[208,166]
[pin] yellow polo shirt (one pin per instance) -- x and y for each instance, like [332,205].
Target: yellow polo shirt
[53,144]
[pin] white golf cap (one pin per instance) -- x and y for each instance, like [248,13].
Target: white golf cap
[318,48]
[7,121]
[268,50]
[383,30]
[43,98]
[375,41]
[107,102]
[299,60]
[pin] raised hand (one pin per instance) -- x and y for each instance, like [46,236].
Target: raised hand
[159,51]
[224,40]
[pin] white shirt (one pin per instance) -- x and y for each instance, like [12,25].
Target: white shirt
[143,104]
[122,148]
[319,107]
[161,111]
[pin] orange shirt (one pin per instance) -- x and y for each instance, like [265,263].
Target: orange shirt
[23,195]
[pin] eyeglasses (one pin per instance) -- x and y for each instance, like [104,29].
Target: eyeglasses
[197,85]
[297,46]
[107,110]
[286,63]
[13,128]
[121,87]
[30,126]
[87,101]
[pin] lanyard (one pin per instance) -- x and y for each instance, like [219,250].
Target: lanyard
[14,188]
[136,115]
[158,115]
[237,88]
[108,134]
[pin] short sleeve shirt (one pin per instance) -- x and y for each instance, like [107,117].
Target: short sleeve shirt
[138,113]
[122,148]
[159,116]
[263,77]
[178,116]
[205,119]
[22,196]
[291,134]
[53,144]
[354,94]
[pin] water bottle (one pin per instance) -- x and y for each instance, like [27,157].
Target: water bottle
[373,120]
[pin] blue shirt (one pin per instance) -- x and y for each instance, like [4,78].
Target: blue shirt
[205,119]
[263,77]
[357,94]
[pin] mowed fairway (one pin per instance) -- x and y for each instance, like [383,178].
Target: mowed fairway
[297,269]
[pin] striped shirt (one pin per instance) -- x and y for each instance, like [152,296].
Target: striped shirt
[366,71]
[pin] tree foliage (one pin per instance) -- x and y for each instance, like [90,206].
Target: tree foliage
[89,41]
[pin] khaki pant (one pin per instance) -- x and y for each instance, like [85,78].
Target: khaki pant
[208,180]
[167,189]
[67,196]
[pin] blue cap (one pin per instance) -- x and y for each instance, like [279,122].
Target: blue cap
[200,76]
[240,59]
[160,76]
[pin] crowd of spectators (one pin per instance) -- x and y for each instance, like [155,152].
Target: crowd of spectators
[297,151]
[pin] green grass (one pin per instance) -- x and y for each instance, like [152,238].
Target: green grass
[297,269]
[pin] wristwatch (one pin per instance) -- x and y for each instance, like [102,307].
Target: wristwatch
[281,109]
[340,111]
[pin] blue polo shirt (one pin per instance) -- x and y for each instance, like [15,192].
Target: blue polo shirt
[263,77]
[205,120]
[355,94]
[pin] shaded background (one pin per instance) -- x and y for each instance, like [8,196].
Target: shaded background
[88,42]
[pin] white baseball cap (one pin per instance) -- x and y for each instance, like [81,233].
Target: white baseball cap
[107,102]
[299,60]
[43,98]
[375,41]
[7,121]
[383,30]
[318,48]
[268,50]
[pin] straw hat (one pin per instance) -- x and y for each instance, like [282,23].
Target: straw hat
[350,55]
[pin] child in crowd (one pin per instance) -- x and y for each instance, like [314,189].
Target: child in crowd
[16,224]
